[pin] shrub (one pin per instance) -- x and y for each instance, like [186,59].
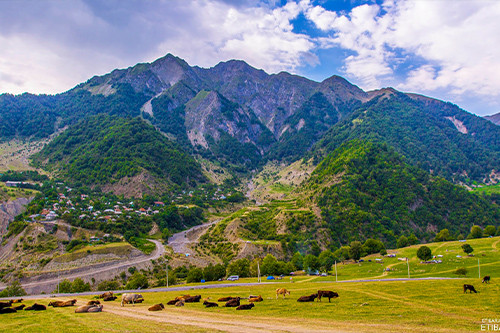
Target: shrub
[424,253]
[490,230]
[15,289]
[467,248]
[108,285]
[402,242]
[461,271]
[136,281]
[475,232]
[355,250]
[195,274]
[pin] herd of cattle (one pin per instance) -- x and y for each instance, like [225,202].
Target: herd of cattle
[229,301]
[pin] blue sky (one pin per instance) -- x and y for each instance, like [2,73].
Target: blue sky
[442,48]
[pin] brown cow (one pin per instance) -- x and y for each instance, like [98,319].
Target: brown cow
[19,300]
[193,299]
[109,298]
[307,298]
[36,307]
[225,299]
[245,306]
[179,303]
[326,293]
[183,297]
[210,304]
[93,302]
[486,279]
[282,291]
[172,302]
[61,304]
[89,308]
[156,307]
[106,294]
[255,299]
[232,303]
[470,288]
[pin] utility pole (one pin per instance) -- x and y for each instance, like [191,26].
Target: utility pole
[336,271]
[258,271]
[166,265]
[408,264]
[58,282]
[478,268]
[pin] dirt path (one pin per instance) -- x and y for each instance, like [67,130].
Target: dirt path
[181,241]
[157,253]
[221,322]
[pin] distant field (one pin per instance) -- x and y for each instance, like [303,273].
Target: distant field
[488,189]
[412,306]
[12,193]
[120,249]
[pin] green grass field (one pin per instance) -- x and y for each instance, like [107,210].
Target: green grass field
[488,189]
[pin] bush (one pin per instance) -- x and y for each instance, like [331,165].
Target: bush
[108,285]
[15,289]
[136,281]
[442,236]
[467,248]
[475,232]
[355,250]
[241,267]
[490,230]
[424,253]
[195,274]
[461,271]
[402,242]
[78,286]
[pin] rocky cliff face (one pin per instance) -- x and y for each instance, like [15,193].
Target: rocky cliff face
[495,118]
[9,210]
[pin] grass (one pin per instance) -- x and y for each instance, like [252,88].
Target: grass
[120,249]
[13,193]
[144,245]
[413,306]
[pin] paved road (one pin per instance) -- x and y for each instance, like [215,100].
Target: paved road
[180,241]
[157,253]
[228,285]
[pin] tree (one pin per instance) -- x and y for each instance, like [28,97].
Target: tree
[298,260]
[373,246]
[424,253]
[402,242]
[355,250]
[15,289]
[64,286]
[475,232]
[342,253]
[254,266]
[311,263]
[490,230]
[240,267]
[108,285]
[467,248]
[269,265]
[443,235]
[78,286]
[195,274]
[137,281]
[413,240]
[326,260]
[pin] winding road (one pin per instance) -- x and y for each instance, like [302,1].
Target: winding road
[94,270]
[180,241]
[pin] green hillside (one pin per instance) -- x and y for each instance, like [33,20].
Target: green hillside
[104,149]
[423,131]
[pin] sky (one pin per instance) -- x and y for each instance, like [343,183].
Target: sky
[447,49]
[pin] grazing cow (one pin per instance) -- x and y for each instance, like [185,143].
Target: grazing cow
[19,307]
[181,298]
[210,304]
[470,288]
[255,299]
[96,308]
[245,306]
[36,307]
[5,304]
[486,279]
[109,298]
[106,294]
[132,298]
[7,310]
[232,303]
[307,298]
[93,302]
[282,291]
[19,300]
[327,293]
[193,299]
[225,299]
[156,307]
[172,302]
[179,303]
[61,304]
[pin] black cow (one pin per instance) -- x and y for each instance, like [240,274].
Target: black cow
[210,304]
[309,298]
[486,279]
[245,306]
[36,307]
[470,288]
[193,299]
[327,293]
[233,303]
[7,310]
